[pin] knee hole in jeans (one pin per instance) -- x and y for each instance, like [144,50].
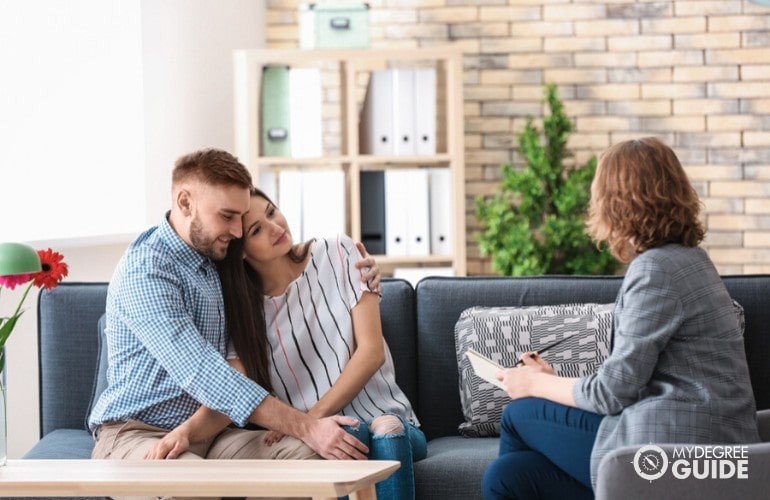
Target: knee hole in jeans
[387,424]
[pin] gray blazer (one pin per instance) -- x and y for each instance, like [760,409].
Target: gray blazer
[677,372]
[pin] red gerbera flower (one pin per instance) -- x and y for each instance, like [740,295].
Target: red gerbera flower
[54,270]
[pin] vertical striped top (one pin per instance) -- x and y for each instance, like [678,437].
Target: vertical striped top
[310,332]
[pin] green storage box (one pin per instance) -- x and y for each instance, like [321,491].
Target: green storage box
[331,26]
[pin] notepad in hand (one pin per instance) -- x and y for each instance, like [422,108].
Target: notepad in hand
[484,367]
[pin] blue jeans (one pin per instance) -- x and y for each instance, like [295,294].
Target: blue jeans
[406,447]
[545,452]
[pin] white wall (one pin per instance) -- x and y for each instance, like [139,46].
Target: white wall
[188,94]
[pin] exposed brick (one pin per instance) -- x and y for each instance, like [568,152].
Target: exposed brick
[472,141]
[745,189]
[527,92]
[708,139]
[738,23]
[511,45]
[585,108]
[755,72]
[539,60]
[756,239]
[605,60]
[575,43]
[449,15]
[740,155]
[555,28]
[486,61]
[738,56]
[641,10]
[736,221]
[714,172]
[674,25]
[486,93]
[487,124]
[488,156]
[496,77]
[705,73]
[478,29]
[722,205]
[471,108]
[609,91]
[510,108]
[670,58]
[707,41]
[756,139]
[647,75]
[282,32]
[411,31]
[719,123]
[740,255]
[574,12]
[570,75]
[738,89]
[673,90]
[589,140]
[754,206]
[510,13]
[639,42]
[757,106]
[607,123]
[606,27]
[499,141]
[648,107]
[722,238]
[389,16]
[705,106]
[678,123]
[708,7]
[755,39]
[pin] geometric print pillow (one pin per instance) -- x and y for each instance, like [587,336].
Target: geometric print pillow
[504,333]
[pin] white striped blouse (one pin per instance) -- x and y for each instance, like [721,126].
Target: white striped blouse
[310,332]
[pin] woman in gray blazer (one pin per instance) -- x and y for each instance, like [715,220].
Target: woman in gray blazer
[677,372]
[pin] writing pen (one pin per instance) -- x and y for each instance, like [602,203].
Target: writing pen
[541,351]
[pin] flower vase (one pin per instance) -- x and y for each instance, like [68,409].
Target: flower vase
[3,425]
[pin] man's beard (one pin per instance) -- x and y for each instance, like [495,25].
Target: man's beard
[203,243]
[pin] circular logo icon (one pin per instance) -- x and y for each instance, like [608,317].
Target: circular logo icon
[650,462]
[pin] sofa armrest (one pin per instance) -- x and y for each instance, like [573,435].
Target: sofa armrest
[617,478]
[763,424]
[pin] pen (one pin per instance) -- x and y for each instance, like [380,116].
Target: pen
[549,346]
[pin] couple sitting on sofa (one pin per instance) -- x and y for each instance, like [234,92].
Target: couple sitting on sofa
[655,314]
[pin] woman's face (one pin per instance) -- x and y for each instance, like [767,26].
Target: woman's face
[265,231]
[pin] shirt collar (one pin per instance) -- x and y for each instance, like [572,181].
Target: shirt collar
[183,252]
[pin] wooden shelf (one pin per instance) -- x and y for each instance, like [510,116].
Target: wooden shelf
[348,67]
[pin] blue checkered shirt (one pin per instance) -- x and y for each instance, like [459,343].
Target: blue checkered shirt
[166,338]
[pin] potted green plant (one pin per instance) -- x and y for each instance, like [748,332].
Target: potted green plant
[536,223]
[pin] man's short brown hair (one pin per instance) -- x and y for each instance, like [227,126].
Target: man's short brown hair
[211,166]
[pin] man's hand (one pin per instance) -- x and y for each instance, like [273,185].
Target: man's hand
[170,446]
[327,438]
[369,267]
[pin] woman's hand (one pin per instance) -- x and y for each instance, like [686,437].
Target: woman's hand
[519,380]
[371,273]
[170,446]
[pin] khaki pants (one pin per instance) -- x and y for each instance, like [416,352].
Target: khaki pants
[132,439]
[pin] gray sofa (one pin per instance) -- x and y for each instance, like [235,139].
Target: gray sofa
[419,327]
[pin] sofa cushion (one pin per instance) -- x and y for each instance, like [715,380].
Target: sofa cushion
[503,334]
[100,380]
[454,467]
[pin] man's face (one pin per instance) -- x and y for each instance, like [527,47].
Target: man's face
[216,218]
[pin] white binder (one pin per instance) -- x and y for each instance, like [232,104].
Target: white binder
[289,200]
[396,212]
[425,111]
[376,128]
[323,203]
[418,227]
[440,191]
[404,110]
[305,112]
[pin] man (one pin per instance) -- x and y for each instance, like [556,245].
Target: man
[167,338]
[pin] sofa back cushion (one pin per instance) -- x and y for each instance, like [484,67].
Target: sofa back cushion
[68,352]
[440,300]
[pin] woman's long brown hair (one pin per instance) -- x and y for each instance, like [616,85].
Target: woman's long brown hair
[244,296]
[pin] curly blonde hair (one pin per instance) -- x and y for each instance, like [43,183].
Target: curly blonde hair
[641,198]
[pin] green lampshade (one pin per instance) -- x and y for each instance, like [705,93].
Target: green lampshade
[18,258]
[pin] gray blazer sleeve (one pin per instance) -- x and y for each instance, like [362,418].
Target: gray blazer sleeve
[647,313]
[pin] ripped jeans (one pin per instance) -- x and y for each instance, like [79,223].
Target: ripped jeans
[406,444]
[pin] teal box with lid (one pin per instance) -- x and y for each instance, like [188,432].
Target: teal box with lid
[334,26]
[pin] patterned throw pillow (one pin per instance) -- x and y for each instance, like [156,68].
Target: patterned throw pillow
[504,333]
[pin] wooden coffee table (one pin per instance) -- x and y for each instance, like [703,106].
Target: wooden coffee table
[319,479]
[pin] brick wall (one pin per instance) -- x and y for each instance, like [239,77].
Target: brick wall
[694,72]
